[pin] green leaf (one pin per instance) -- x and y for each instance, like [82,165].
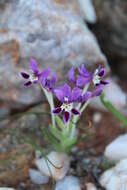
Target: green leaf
[52,139]
[35,146]
[113,110]
[59,122]
[69,142]
[55,132]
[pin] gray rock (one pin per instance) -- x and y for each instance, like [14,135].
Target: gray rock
[88,10]
[63,39]
[37,178]
[116,150]
[60,160]
[115,95]
[90,186]
[53,33]
[115,178]
[68,183]
[112,34]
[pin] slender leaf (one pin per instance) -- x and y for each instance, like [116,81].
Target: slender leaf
[59,122]
[113,110]
[69,142]
[55,132]
[37,147]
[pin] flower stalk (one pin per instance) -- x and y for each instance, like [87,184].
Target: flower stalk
[50,100]
[73,100]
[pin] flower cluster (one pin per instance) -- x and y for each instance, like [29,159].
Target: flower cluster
[70,98]
[46,78]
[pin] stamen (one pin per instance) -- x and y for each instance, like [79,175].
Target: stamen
[33,78]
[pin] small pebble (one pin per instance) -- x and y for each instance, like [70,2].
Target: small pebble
[68,183]
[117,149]
[97,117]
[37,178]
[116,177]
[90,186]
[59,167]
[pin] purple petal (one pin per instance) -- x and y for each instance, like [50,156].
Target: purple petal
[76,93]
[25,75]
[44,74]
[71,75]
[98,90]
[86,96]
[35,81]
[54,78]
[81,81]
[66,90]
[28,83]
[66,116]
[101,72]
[62,92]
[104,82]
[53,81]
[83,71]
[57,110]
[75,111]
[59,94]
[33,66]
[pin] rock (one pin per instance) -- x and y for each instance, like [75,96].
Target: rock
[68,183]
[54,34]
[37,178]
[90,186]
[114,94]
[115,178]
[97,117]
[60,160]
[48,43]
[88,10]
[117,150]
[18,97]
[112,34]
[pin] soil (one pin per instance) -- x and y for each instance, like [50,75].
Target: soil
[17,157]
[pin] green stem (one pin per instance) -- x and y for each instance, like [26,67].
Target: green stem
[53,182]
[113,110]
[83,92]
[84,106]
[76,118]
[49,97]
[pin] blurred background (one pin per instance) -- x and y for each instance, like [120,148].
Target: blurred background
[59,34]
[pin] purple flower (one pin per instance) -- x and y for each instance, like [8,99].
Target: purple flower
[48,79]
[71,75]
[32,77]
[84,76]
[98,75]
[97,91]
[67,97]
[86,96]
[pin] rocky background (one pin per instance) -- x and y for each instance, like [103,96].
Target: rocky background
[59,34]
